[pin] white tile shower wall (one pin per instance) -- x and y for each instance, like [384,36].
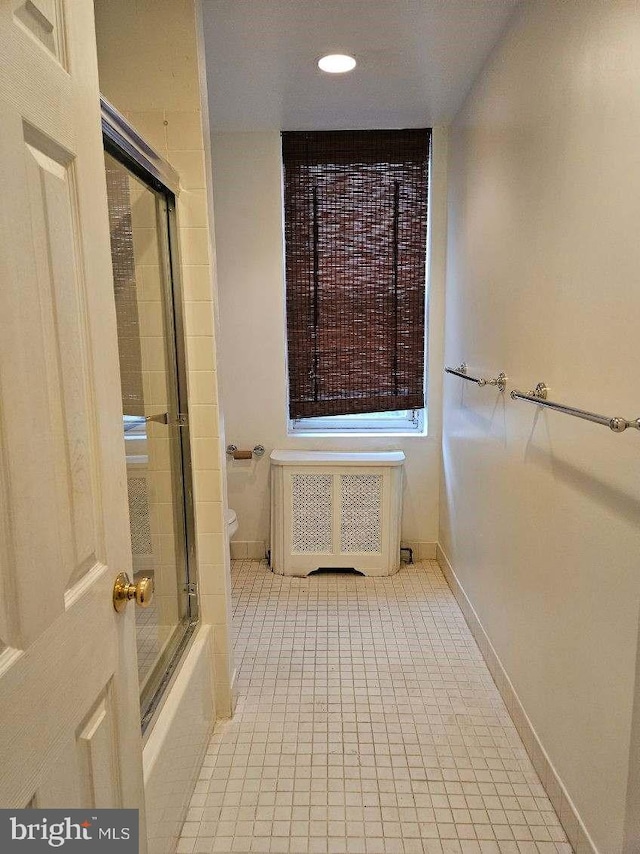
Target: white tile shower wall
[248,220]
[540,510]
[149,69]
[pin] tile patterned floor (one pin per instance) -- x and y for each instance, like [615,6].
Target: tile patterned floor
[367,723]
[152,637]
[146,640]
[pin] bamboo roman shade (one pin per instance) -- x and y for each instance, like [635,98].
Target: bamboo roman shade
[355,234]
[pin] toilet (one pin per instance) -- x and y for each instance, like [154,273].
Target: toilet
[232,522]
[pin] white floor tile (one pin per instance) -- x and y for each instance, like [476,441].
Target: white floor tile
[367,723]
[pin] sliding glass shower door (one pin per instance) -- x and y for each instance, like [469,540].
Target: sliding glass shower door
[155,419]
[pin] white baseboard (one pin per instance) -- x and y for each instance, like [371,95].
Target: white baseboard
[422,549]
[247,549]
[562,803]
[234,691]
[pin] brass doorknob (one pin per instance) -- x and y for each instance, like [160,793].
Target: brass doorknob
[124,590]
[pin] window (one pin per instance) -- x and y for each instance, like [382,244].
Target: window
[355,255]
[399,421]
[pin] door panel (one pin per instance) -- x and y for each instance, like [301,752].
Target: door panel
[69,710]
[49,687]
[43,19]
[54,217]
[90,754]
[28,431]
[95,745]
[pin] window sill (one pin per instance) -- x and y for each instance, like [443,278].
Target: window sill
[359,434]
[405,422]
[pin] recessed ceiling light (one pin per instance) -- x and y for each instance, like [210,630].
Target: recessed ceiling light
[336,63]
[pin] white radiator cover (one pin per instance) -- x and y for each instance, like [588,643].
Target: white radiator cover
[336,510]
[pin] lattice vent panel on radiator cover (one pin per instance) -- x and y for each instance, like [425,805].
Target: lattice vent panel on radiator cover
[311,513]
[361,519]
[139,516]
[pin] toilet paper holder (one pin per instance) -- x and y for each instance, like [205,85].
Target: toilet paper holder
[232,450]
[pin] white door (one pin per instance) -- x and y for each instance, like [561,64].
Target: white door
[69,711]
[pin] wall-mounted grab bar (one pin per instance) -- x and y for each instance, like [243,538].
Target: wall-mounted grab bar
[500,381]
[539,396]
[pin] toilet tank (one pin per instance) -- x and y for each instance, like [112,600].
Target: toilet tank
[336,511]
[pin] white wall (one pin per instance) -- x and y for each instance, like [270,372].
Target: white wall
[248,226]
[540,511]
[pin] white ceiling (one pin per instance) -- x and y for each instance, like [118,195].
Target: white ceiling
[416,61]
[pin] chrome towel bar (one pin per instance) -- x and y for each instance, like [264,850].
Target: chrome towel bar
[500,381]
[539,396]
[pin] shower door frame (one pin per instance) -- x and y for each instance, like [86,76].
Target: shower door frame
[124,144]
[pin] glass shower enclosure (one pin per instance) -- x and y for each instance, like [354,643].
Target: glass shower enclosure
[142,220]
